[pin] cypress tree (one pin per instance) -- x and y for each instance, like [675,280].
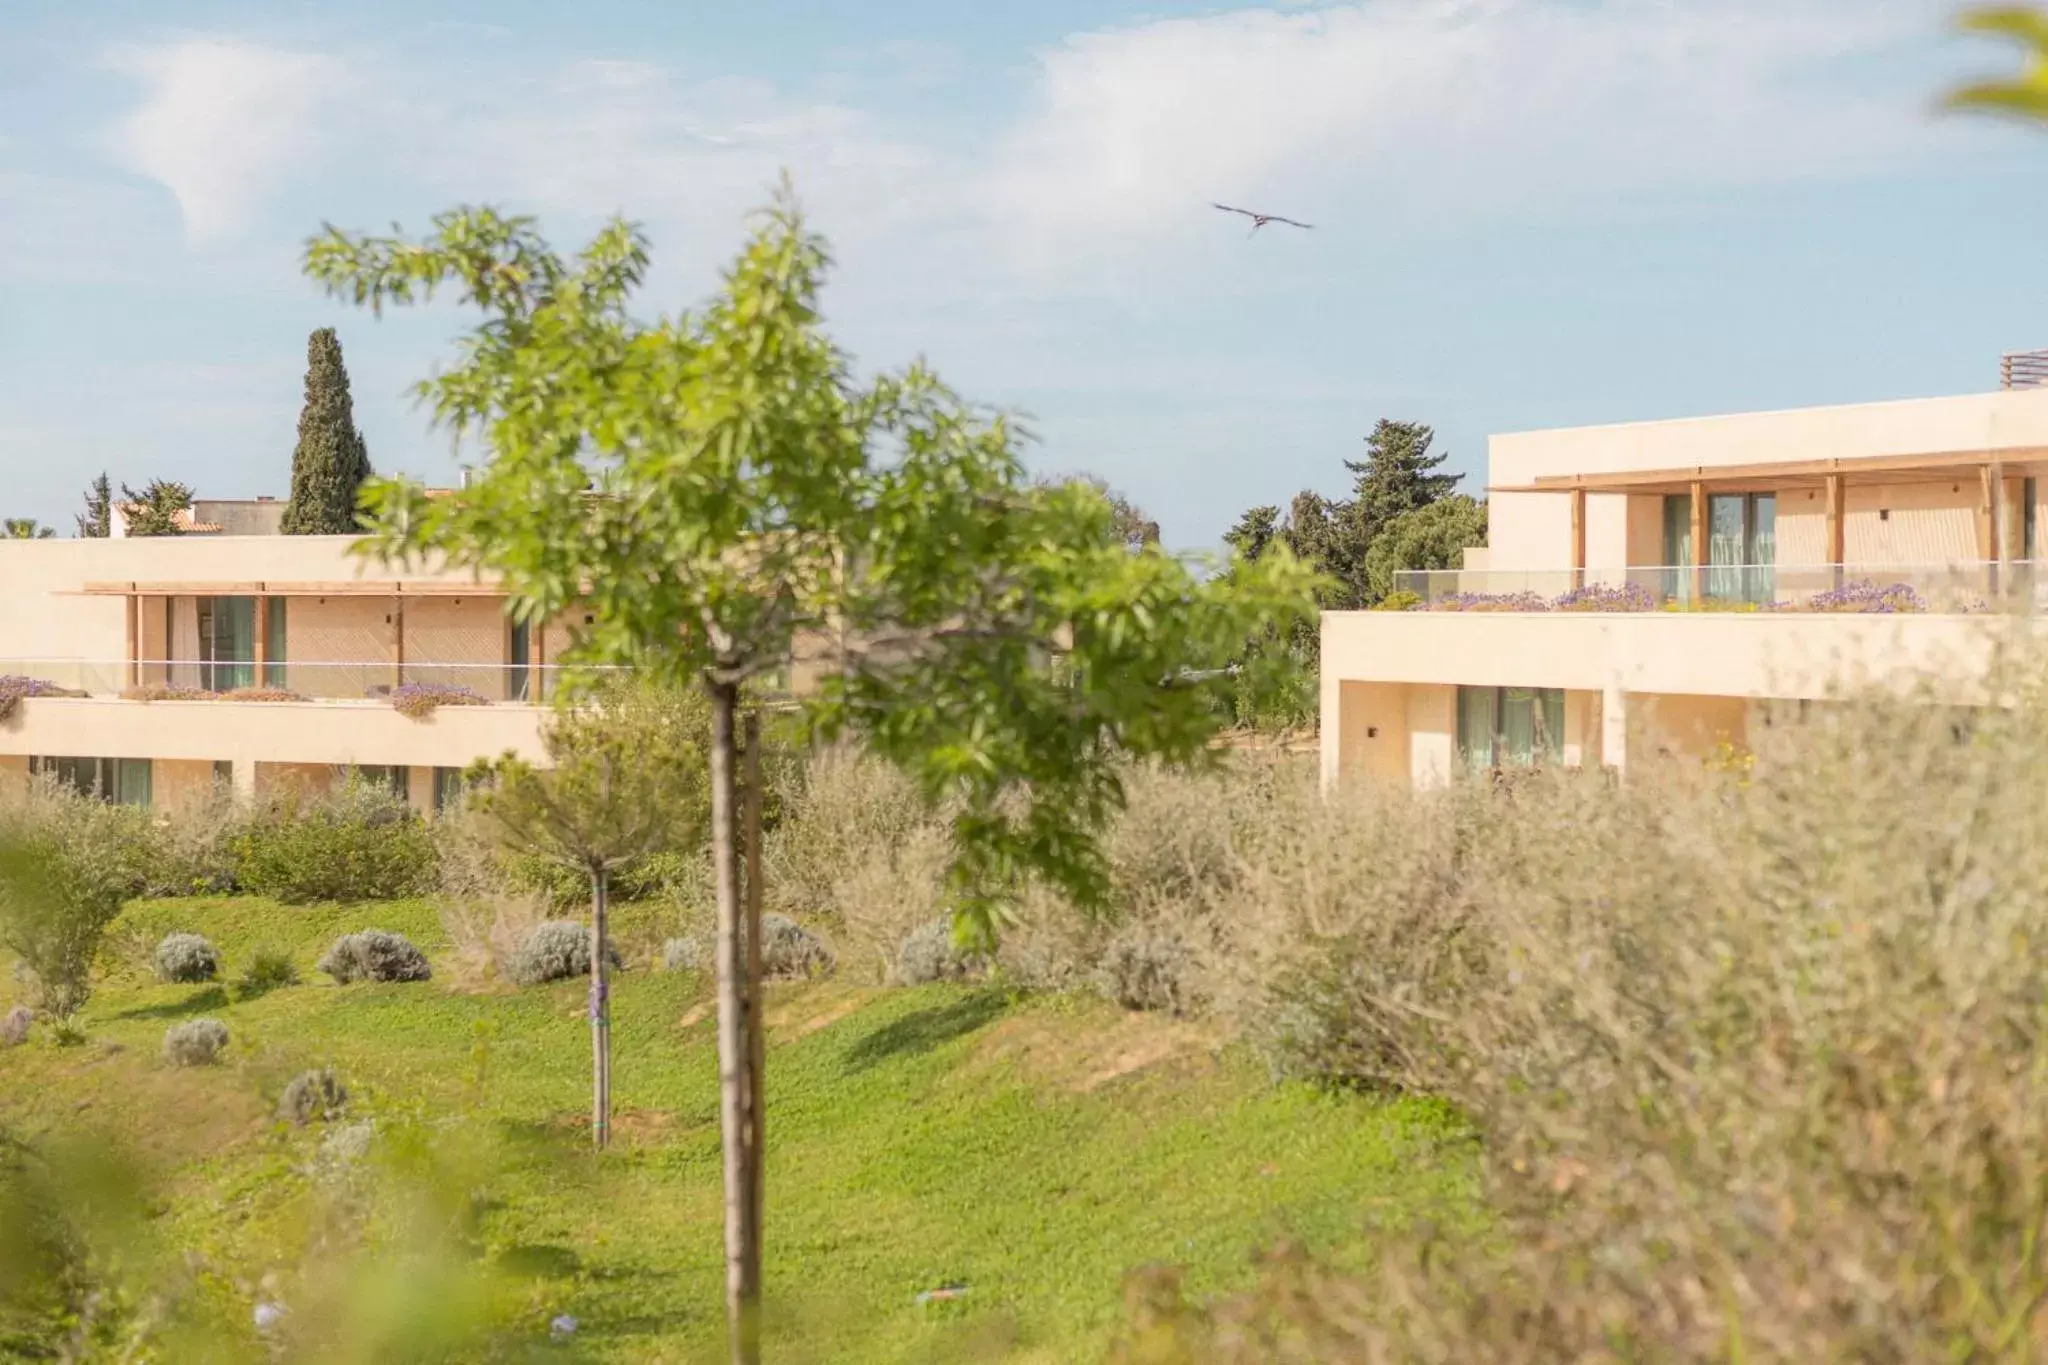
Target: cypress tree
[330,463]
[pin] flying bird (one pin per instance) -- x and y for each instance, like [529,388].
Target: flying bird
[1259,220]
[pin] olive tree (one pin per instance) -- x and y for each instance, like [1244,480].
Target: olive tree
[625,779]
[723,499]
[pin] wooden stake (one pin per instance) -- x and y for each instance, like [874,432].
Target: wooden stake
[600,1011]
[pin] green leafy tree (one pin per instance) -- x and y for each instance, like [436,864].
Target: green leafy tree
[1430,537]
[627,778]
[751,498]
[330,464]
[1129,525]
[64,874]
[25,528]
[2024,96]
[96,522]
[154,511]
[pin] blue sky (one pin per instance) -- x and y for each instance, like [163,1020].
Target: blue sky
[1529,213]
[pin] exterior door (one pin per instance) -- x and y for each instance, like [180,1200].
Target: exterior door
[1677,548]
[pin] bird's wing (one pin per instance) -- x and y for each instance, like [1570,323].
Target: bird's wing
[1228,209]
[1291,223]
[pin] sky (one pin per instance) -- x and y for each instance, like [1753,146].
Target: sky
[1528,213]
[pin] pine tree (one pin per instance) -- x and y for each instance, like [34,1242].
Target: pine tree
[330,464]
[1394,478]
[96,522]
[154,511]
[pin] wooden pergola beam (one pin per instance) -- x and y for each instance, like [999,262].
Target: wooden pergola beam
[270,589]
[1805,472]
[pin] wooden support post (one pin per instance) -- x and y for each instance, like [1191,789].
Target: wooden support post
[1838,538]
[1699,541]
[397,642]
[1578,538]
[1987,525]
[263,641]
[134,669]
[536,661]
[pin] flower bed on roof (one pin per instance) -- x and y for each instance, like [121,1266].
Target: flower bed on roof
[175,692]
[420,700]
[1864,596]
[13,687]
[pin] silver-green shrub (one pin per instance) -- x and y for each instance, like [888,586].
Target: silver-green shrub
[311,1095]
[186,959]
[556,950]
[375,955]
[684,955]
[931,953]
[790,951]
[196,1042]
[15,1026]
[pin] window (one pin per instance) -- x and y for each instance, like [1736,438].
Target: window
[223,773]
[274,644]
[1510,727]
[1741,548]
[227,643]
[124,781]
[519,646]
[448,789]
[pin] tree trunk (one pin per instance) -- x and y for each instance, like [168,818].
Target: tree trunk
[735,1109]
[600,1011]
[757,1062]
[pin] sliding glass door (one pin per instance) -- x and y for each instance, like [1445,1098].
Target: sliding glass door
[1741,549]
[1510,727]
[227,643]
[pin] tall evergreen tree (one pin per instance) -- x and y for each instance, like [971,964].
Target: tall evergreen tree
[96,522]
[24,528]
[1395,477]
[1255,530]
[330,464]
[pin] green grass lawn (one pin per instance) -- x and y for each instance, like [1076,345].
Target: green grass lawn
[1034,1149]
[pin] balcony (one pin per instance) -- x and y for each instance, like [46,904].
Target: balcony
[1968,589]
[341,713]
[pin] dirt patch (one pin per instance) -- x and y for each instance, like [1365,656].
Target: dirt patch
[630,1127]
[1114,1045]
[821,1007]
[696,1014]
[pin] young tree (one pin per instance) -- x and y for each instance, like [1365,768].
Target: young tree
[65,870]
[96,522]
[626,779]
[25,528]
[750,497]
[330,463]
[154,511]
[1431,537]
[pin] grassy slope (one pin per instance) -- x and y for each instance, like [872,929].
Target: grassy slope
[1033,1149]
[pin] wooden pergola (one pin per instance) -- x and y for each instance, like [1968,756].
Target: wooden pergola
[263,591]
[1831,475]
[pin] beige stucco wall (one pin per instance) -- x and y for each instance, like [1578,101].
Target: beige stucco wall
[1931,523]
[1688,726]
[1993,423]
[1735,655]
[458,641]
[364,733]
[180,784]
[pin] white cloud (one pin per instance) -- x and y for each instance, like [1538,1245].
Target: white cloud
[1435,109]
[219,123]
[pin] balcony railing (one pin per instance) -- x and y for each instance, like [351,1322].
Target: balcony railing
[1892,589]
[361,682]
